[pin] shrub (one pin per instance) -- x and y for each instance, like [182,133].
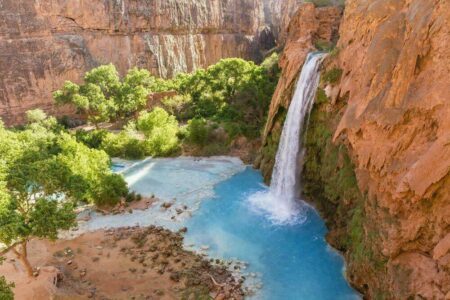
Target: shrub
[123,145]
[160,130]
[35,116]
[198,131]
[179,106]
[322,3]
[271,62]
[92,139]
[6,292]
[324,45]
[134,149]
[332,76]
[321,96]
[112,188]
[133,196]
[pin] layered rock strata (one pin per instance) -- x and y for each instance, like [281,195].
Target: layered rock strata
[378,166]
[395,59]
[43,43]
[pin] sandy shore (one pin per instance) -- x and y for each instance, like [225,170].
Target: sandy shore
[124,263]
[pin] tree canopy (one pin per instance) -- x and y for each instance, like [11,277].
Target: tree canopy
[104,96]
[43,173]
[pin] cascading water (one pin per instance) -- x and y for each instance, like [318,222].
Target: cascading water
[280,202]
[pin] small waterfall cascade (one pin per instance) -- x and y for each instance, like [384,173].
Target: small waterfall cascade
[280,202]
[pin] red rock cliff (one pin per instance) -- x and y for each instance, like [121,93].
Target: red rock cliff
[391,109]
[308,25]
[43,43]
[395,58]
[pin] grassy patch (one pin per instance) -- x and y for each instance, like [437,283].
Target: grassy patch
[332,76]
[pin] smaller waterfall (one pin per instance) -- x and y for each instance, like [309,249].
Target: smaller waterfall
[280,202]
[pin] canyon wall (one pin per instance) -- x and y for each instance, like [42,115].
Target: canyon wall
[308,25]
[43,43]
[378,142]
[395,61]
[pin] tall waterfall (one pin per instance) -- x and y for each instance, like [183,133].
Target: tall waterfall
[280,202]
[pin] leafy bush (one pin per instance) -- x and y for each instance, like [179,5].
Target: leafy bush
[35,116]
[271,64]
[111,190]
[123,145]
[38,166]
[332,76]
[198,131]
[38,118]
[324,45]
[231,91]
[92,139]
[6,292]
[133,196]
[104,97]
[322,3]
[321,96]
[160,130]
[179,106]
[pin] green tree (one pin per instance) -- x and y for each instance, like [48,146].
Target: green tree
[6,292]
[198,131]
[34,179]
[104,97]
[123,144]
[36,116]
[88,99]
[160,130]
[42,175]
[234,92]
[134,91]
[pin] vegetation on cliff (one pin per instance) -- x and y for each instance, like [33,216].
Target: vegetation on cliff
[329,181]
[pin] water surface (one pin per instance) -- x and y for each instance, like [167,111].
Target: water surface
[290,261]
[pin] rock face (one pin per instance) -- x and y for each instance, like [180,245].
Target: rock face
[278,14]
[396,60]
[308,25]
[384,101]
[43,43]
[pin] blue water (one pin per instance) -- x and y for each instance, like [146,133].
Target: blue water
[294,260]
[284,261]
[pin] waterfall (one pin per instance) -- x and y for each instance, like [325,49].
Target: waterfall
[280,203]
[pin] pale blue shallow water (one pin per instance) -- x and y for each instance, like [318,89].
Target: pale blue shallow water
[288,261]
[294,260]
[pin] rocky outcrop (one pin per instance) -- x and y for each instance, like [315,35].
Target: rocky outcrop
[378,166]
[308,25]
[395,60]
[279,14]
[43,43]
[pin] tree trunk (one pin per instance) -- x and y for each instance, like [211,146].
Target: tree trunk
[23,256]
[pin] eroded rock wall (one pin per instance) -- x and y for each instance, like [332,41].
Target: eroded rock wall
[43,43]
[395,58]
[308,25]
[378,165]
